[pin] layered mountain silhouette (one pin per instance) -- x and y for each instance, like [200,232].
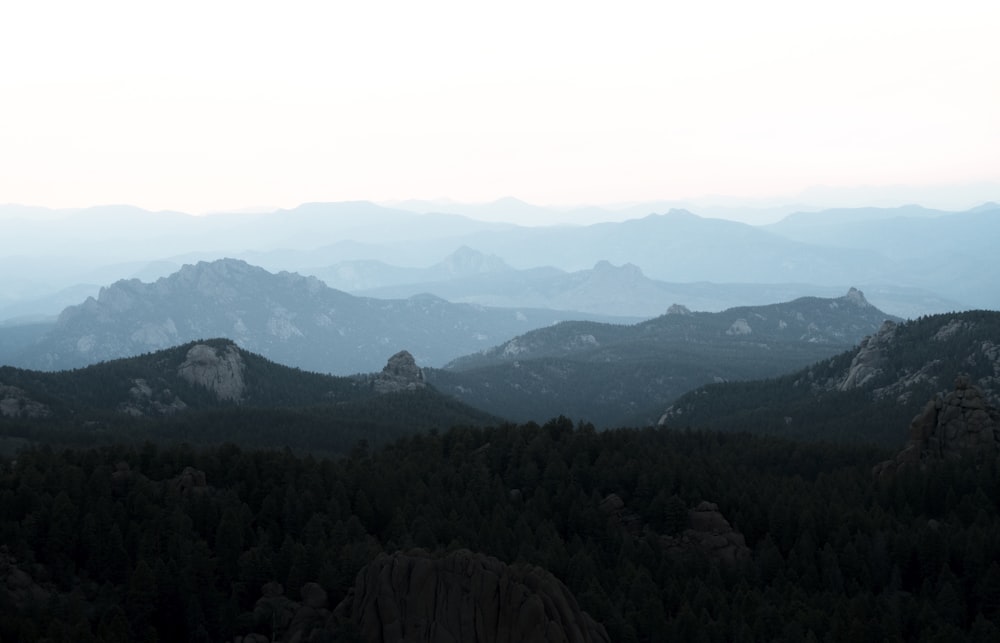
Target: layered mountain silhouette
[608,373]
[470,276]
[286,317]
[910,261]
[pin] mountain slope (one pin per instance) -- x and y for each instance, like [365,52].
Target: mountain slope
[859,394]
[606,373]
[214,391]
[286,317]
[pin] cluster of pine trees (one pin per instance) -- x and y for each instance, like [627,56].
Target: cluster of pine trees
[128,551]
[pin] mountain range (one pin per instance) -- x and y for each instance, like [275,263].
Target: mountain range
[286,317]
[470,276]
[911,261]
[609,373]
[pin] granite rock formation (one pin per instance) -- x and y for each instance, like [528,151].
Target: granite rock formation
[711,534]
[959,424]
[870,359]
[15,402]
[220,371]
[708,532]
[401,373]
[463,596]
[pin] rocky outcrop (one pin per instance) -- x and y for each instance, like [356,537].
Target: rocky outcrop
[417,597]
[708,532]
[711,534]
[189,481]
[463,596]
[18,586]
[614,508]
[293,621]
[15,402]
[870,359]
[220,371]
[145,400]
[401,373]
[959,424]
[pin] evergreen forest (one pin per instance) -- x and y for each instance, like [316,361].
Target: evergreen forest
[164,541]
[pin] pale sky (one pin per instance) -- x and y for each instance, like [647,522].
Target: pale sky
[209,105]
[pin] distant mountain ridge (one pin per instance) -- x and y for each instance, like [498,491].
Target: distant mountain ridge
[930,261]
[470,276]
[607,373]
[286,317]
[867,393]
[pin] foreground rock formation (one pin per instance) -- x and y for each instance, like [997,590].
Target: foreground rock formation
[463,597]
[959,424]
[418,597]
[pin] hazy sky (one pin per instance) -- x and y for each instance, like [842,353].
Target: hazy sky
[209,105]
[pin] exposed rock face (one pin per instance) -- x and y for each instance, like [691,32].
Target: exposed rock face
[276,613]
[144,400]
[614,507]
[960,424]
[219,371]
[857,298]
[711,534]
[708,533]
[401,373]
[18,587]
[463,597]
[870,358]
[190,481]
[14,402]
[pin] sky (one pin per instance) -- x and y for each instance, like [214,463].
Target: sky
[209,106]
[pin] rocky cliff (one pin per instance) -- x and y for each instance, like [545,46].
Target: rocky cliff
[401,373]
[220,371]
[707,531]
[466,597]
[15,402]
[961,424]
[417,597]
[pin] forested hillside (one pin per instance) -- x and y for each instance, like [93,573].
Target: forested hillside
[609,374]
[146,543]
[858,395]
[211,391]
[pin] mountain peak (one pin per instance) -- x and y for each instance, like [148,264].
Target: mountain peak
[469,261]
[857,297]
[401,373]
